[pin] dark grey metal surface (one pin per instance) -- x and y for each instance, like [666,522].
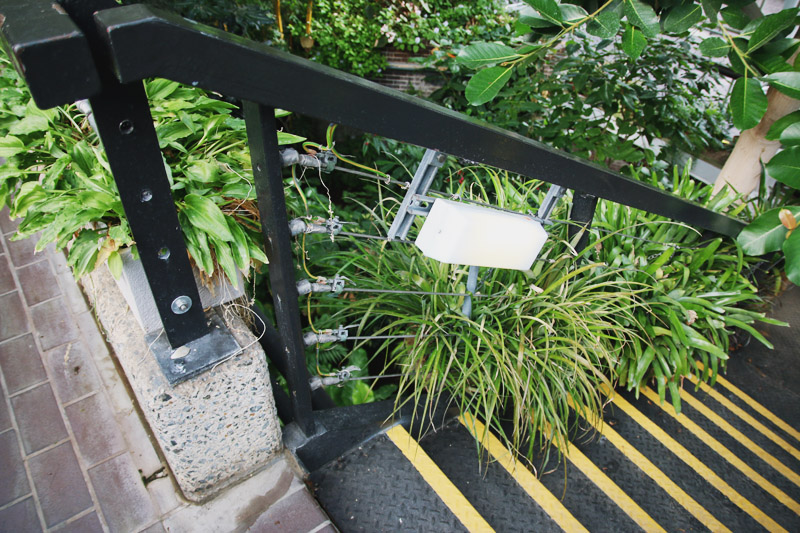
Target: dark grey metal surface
[489,488]
[147,43]
[654,500]
[754,459]
[736,479]
[49,50]
[679,472]
[201,354]
[772,377]
[587,503]
[374,489]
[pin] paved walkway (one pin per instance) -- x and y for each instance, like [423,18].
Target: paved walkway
[74,454]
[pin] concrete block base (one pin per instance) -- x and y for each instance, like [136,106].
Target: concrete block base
[213,430]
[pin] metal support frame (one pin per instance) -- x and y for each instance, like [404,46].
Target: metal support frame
[262,135]
[431,162]
[581,214]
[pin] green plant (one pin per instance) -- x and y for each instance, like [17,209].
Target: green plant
[350,35]
[253,19]
[57,180]
[593,101]
[543,339]
[697,290]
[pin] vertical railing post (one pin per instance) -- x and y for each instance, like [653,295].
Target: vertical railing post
[125,127]
[581,215]
[262,135]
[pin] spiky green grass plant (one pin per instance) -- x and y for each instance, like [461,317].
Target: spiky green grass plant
[536,341]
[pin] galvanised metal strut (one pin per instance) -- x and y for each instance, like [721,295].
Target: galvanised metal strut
[95,49]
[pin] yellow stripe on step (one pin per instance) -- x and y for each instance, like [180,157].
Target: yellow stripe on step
[611,489]
[432,475]
[736,434]
[529,483]
[669,486]
[694,463]
[724,452]
[757,407]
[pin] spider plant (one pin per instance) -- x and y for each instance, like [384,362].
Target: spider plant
[536,342]
[698,290]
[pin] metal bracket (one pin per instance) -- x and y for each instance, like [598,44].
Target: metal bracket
[554,193]
[431,162]
[326,335]
[325,160]
[332,226]
[196,356]
[339,379]
[334,286]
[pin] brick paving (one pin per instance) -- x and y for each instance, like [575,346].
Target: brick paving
[74,454]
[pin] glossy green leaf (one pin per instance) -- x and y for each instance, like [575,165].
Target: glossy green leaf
[734,17]
[222,251]
[289,138]
[696,340]
[29,193]
[769,27]
[203,171]
[786,82]
[241,255]
[791,249]
[570,13]
[29,124]
[10,146]
[683,17]
[83,253]
[256,253]
[785,166]
[115,264]
[643,17]
[485,54]
[781,124]
[484,86]
[547,9]
[633,42]
[204,214]
[715,47]
[748,103]
[711,8]
[791,135]
[605,25]
[765,234]
[770,64]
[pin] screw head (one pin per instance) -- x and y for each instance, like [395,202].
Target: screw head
[181,304]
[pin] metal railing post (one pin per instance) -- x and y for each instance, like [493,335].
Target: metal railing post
[262,136]
[38,34]
[581,214]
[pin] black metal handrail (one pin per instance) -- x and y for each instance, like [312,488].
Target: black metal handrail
[112,48]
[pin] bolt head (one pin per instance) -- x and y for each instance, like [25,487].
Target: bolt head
[181,304]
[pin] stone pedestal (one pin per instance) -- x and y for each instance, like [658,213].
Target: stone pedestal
[213,430]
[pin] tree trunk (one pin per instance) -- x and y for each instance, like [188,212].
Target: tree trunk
[742,170]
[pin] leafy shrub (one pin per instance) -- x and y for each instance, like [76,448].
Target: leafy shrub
[57,179]
[647,300]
